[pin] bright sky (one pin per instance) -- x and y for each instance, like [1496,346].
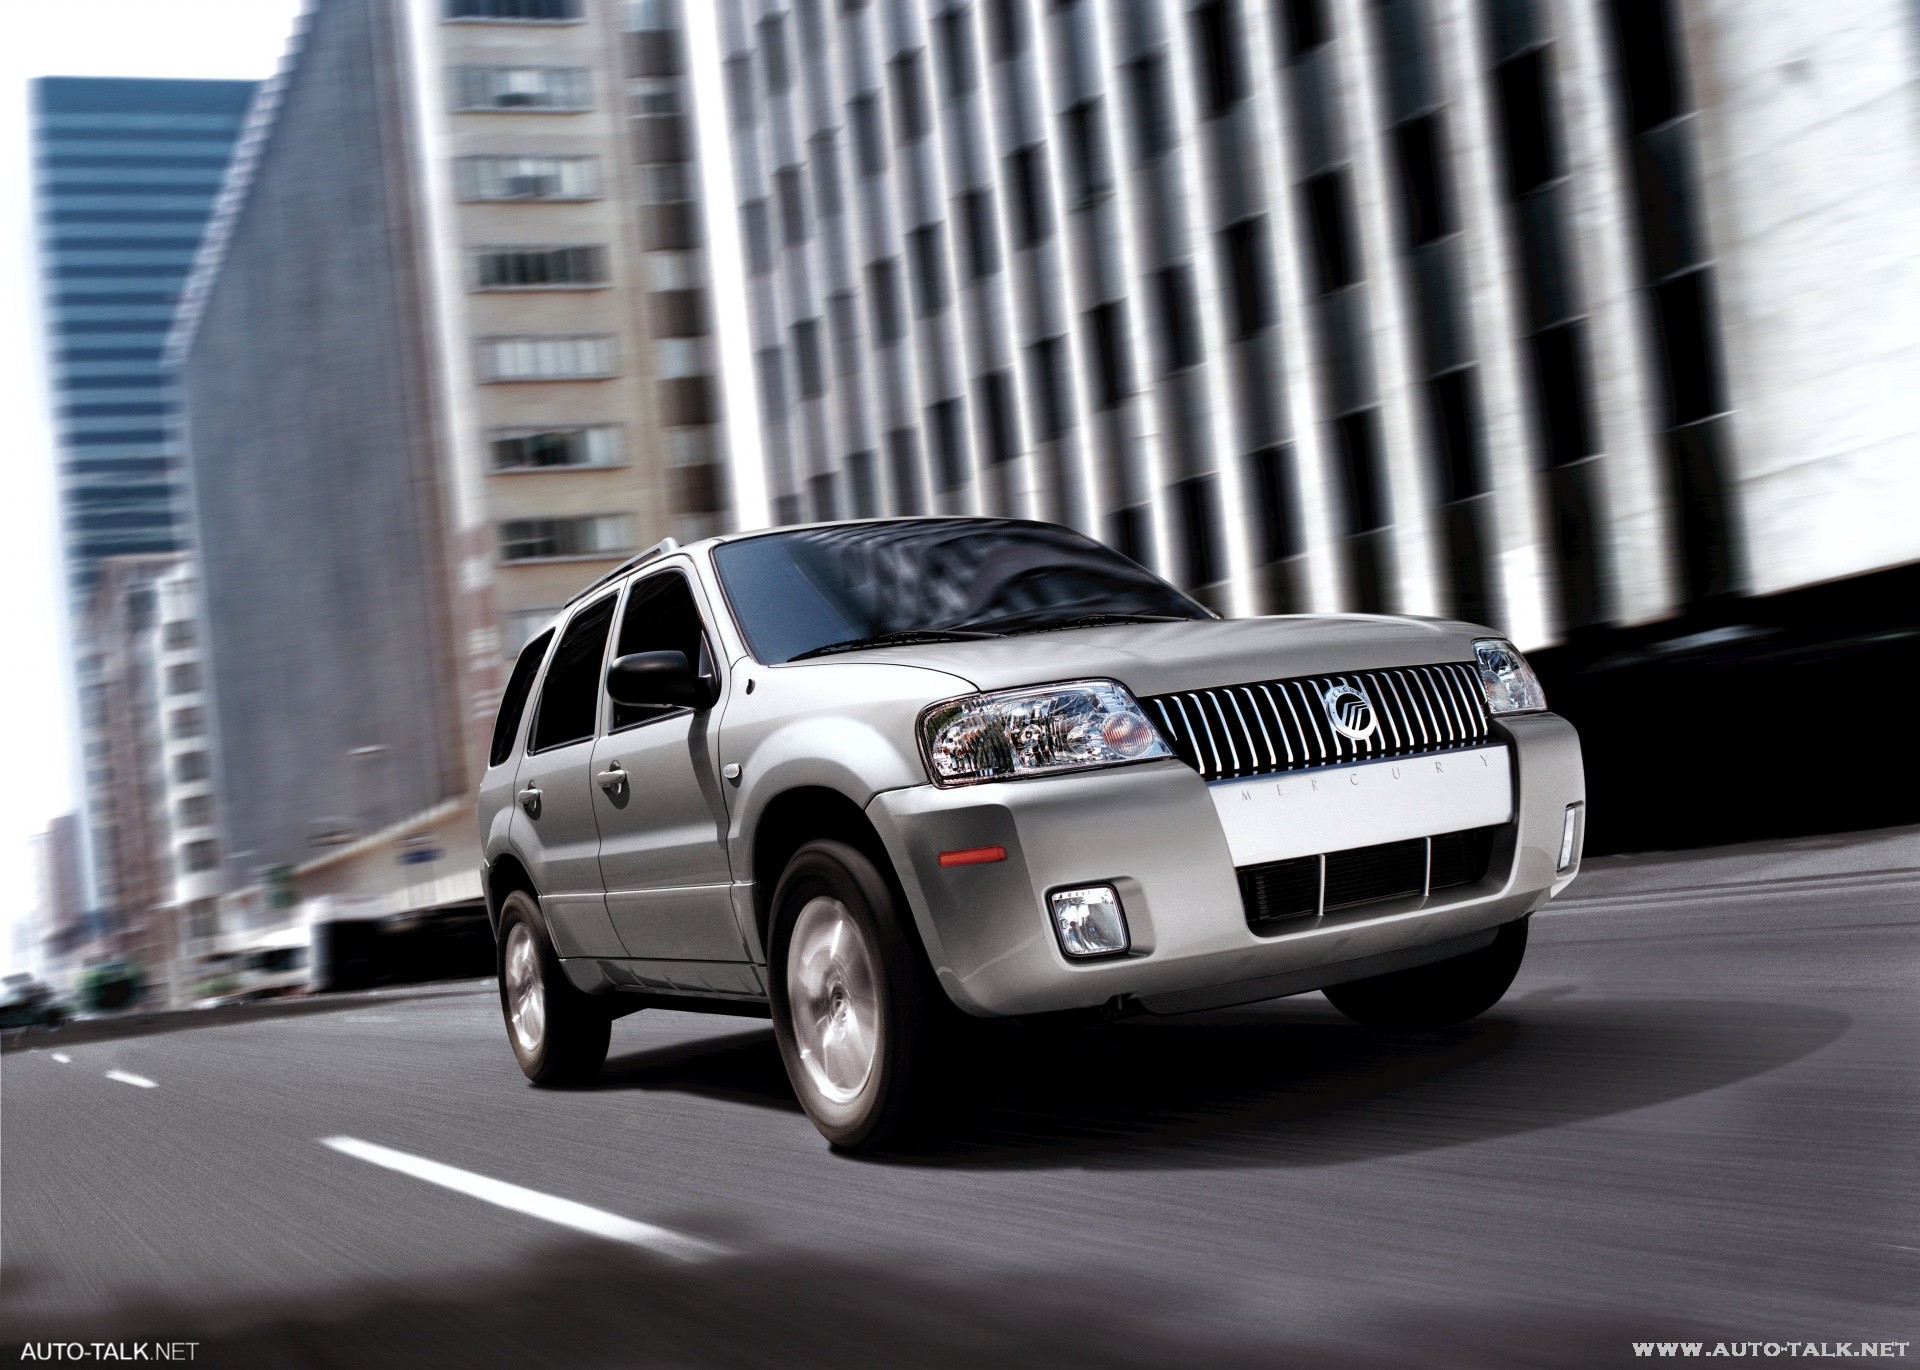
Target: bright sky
[179,38]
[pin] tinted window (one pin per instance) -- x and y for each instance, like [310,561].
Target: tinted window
[796,592]
[660,617]
[514,702]
[572,693]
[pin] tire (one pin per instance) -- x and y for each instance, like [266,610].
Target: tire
[558,1034]
[1437,995]
[859,1020]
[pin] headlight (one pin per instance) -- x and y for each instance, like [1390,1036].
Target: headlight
[1509,683]
[1018,733]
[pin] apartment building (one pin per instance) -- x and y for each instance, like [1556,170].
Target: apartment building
[443,361]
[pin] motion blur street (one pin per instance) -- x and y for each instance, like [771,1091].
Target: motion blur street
[1691,1118]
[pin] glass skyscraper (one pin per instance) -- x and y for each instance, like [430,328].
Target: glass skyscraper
[126,173]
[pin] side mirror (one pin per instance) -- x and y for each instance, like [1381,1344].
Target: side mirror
[660,678]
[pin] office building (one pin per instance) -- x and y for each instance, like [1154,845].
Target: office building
[1563,315]
[126,172]
[443,361]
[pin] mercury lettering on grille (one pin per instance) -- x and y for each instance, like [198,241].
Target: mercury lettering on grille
[1230,731]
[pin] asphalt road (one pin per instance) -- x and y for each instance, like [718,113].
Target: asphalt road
[1693,1118]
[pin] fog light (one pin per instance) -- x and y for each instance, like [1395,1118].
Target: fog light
[1089,921]
[1569,837]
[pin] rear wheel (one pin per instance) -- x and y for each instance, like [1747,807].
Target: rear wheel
[1437,995]
[857,1019]
[559,1035]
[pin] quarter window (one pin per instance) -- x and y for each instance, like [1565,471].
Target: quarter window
[506,726]
[569,699]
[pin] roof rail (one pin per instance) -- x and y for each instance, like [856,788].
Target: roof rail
[653,553]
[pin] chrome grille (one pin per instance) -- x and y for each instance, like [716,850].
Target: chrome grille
[1230,731]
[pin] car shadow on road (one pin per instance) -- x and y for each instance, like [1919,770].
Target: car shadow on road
[1293,1083]
[579,1302]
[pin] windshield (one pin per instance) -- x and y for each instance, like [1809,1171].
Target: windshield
[798,593]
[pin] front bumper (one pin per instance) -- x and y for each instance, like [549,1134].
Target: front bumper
[1153,832]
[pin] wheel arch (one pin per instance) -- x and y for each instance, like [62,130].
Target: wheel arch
[810,813]
[504,875]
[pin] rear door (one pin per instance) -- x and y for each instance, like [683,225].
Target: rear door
[553,821]
[657,793]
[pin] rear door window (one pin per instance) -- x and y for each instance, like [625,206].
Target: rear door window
[569,701]
[514,702]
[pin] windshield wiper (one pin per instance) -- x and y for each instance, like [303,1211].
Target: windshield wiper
[1095,621]
[901,638]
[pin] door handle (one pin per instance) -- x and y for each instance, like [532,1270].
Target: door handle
[530,800]
[612,778]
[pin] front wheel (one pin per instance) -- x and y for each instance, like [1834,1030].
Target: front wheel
[857,1020]
[559,1035]
[1437,995]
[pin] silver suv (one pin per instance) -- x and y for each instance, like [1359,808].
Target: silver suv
[883,779]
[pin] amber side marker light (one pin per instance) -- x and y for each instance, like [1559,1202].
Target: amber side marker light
[973,856]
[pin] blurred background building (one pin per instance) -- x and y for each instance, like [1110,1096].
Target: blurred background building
[126,172]
[1590,319]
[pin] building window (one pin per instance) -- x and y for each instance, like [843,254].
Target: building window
[547,358]
[1426,211]
[806,359]
[183,679]
[956,51]
[1006,28]
[673,271]
[909,97]
[598,535]
[203,855]
[983,241]
[1327,212]
[1027,183]
[177,634]
[1306,26]
[186,723]
[1360,466]
[1244,246]
[561,89]
[195,811]
[1218,55]
[903,461]
[1087,151]
[793,205]
[1153,119]
[1179,327]
[947,423]
[883,301]
[1531,156]
[868,136]
[773,54]
[1112,375]
[529,178]
[521,625]
[679,359]
[844,318]
[995,391]
[189,767]
[653,95]
[664,183]
[539,449]
[536,11]
[1052,402]
[539,268]
[929,280]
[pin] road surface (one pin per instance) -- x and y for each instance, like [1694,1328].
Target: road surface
[1694,1118]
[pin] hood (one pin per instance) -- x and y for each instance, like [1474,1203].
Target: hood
[1159,658]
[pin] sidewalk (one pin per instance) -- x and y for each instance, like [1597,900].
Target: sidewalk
[178,1020]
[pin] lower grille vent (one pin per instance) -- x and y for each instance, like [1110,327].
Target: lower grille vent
[1282,892]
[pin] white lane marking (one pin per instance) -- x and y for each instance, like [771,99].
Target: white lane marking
[532,1202]
[125,1078]
[63,1058]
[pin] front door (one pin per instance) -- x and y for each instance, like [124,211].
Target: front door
[553,821]
[657,794]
